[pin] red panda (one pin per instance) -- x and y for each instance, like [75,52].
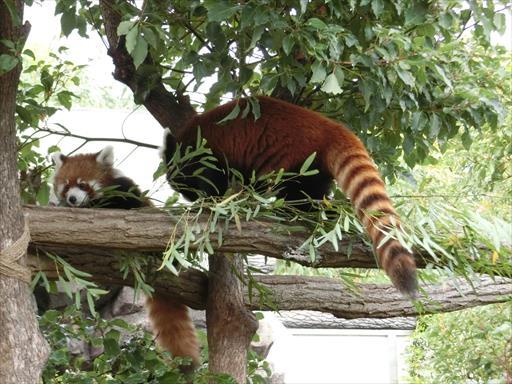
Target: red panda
[283,137]
[79,181]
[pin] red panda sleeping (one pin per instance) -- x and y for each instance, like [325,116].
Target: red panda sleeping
[80,181]
[283,137]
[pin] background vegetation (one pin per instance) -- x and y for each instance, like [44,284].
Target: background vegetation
[418,81]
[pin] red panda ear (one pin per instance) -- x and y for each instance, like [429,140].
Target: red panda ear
[106,156]
[58,159]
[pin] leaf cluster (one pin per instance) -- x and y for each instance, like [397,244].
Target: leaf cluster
[45,88]
[471,345]
[118,353]
[407,75]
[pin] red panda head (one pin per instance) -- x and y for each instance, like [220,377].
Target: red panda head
[78,179]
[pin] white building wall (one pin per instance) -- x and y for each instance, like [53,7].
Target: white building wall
[340,356]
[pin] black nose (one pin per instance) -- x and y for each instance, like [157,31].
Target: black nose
[72,199]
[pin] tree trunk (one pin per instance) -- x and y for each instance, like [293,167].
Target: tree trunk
[23,351]
[230,325]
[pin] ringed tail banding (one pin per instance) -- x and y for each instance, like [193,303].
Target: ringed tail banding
[360,180]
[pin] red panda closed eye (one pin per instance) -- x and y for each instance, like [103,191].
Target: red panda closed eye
[283,137]
[79,181]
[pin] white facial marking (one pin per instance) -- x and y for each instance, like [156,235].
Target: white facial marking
[60,188]
[106,156]
[75,197]
[96,186]
[58,158]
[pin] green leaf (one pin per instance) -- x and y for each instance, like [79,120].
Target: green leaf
[7,63]
[377,7]
[405,76]
[255,107]
[140,51]
[340,75]
[466,139]
[24,114]
[319,72]
[331,85]
[68,22]
[408,144]
[64,98]
[232,115]
[256,36]
[446,20]
[131,39]
[124,27]
[435,126]
[288,43]
[43,195]
[442,73]
[112,348]
[29,53]
[220,10]
[305,166]
[416,14]
[316,23]
[151,37]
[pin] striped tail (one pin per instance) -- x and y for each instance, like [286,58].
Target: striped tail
[359,179]
[174,329]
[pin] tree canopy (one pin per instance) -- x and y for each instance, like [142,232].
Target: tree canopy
[418,81]
[406,75]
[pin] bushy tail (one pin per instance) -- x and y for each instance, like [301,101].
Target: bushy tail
[174,328]
[359,179]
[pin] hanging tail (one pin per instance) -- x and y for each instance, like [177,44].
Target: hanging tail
[359,179]
[174,329]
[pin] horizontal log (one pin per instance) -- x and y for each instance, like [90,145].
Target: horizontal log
[381,301]
[150,230]
[97,240]
[289,292]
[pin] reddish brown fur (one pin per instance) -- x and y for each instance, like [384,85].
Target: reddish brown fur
[171,323]
[283,137]
[173,327]
[85,167]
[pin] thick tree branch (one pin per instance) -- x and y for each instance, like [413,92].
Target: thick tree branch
[291,292]
[169,110]
[91,241]
[150,230]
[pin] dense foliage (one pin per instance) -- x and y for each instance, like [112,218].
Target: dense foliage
[94,350]
[406,75]
[418,81]
[474,345]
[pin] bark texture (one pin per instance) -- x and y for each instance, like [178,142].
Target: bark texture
[170,110]
[288,292]
[23,351]
[230,325]
[150,230]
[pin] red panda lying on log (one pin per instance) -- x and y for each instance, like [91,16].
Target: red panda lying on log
[283,137]
[90,180]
